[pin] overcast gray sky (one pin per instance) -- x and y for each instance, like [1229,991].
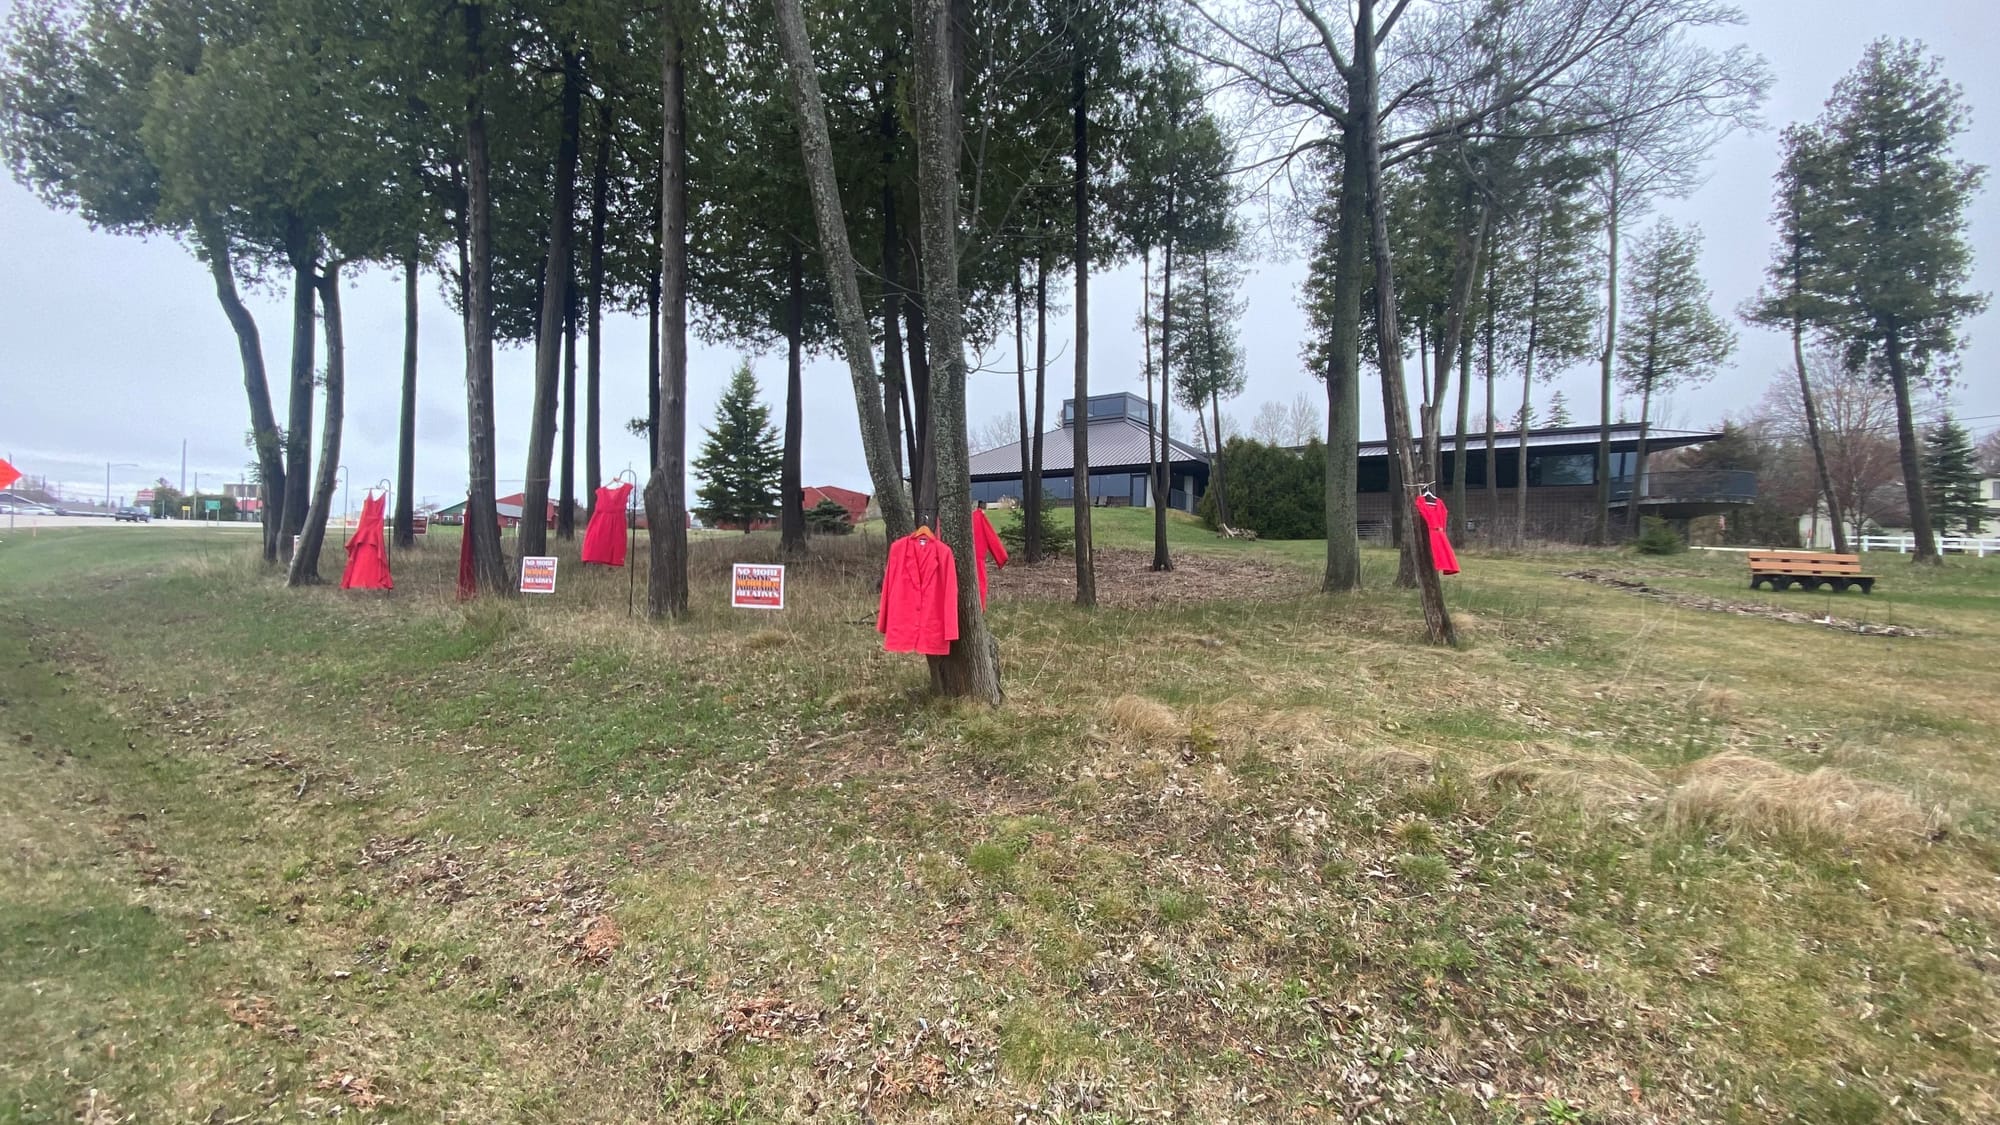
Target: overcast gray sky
[117,352]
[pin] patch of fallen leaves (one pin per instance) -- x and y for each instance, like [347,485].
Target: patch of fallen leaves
[258,1014]
[598,941]
[760,1019]
[358,1089]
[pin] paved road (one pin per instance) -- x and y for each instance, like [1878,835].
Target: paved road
[24,522]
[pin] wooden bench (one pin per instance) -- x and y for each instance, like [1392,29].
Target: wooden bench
[1784,569]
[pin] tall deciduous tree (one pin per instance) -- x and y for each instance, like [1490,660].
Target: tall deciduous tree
[666,489]
[1899,267]
[1671,337]
[482,517]
[971,669]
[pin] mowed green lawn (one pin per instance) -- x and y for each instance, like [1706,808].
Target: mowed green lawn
[1255,854]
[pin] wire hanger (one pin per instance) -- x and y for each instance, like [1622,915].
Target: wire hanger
[1425,489]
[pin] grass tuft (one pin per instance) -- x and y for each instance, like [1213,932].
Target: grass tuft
[1737,794]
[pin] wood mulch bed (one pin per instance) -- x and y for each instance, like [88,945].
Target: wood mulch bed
[1126,580]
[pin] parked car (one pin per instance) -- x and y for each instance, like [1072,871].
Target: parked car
[135,515]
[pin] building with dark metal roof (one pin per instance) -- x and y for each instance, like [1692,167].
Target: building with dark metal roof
[1121,448]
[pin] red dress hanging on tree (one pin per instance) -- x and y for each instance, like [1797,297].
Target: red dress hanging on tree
[604,539]
[985,542]
[367,561]
[1432,511]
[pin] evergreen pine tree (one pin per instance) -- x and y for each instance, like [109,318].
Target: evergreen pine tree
[1558,411]
[740,458]
[1951,479]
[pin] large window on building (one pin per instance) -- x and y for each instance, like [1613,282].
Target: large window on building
[1553,470]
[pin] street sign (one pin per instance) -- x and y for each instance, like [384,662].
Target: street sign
[420,525]
[538,574]
[757,586]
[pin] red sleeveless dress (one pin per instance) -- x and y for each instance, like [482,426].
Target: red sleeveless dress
[1432,511]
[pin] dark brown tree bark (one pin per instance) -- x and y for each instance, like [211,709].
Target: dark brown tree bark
[264,436]
[406,432]
[923,453]
[1032,497]
[482,521]
[312,537]
[1600,525]
[1492,457]
[1221,483]
[791,488]
[1163,466]
[652,360]
[1437,620]
[1457,519]
[299,407]
[593,376]
[666,490]
[1908,449]
[566,504]
[857,347]
[533,535]
[971,669]
[894,401]
[1811,406]
[1343,380]
[1021,372]
[1086,563]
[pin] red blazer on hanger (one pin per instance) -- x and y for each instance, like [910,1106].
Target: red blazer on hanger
[985,541]
[919,606]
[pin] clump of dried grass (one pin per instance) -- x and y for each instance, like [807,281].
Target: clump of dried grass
[1597,779]
[1145,720]
[1737,793]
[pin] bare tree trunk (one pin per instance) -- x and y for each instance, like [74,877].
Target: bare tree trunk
[1163,469]
[1343,374]
[1215,439]
[406,434]
[1492,458]
[972,668]
[791,488]
[305,560]
[264,434]
[1813,438]
[566,505]
[482,520]
[652,361]
[894,401]
[1639,462]
[1521,452]
[1906,441]
[533,535]
[1031,489]
[802,82]
[1457,520]
[923,453]
[1159,457]
[299,405]
[666,489]
[1600,530]
[593,378]
[1437,620]
[1086,563]
[1021,373]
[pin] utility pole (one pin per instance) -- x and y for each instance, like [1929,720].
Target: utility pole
[184,470]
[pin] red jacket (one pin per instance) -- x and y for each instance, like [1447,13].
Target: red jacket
[985,541]
[919,609]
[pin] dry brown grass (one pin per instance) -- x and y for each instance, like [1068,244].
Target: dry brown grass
[1145,720]
[1737,794]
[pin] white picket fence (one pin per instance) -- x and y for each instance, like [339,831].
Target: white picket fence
[1949,544]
